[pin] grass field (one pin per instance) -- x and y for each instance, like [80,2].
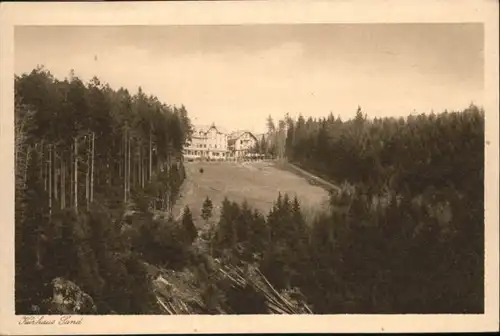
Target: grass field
[257,182]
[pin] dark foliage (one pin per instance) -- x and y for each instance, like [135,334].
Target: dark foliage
[206,210]
[92,164]
[405,232]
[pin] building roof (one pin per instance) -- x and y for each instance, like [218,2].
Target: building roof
[206,128]
[237,134]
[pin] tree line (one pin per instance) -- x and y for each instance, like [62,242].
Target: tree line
[272,143]
[403,234]
[408,155]
[85,155]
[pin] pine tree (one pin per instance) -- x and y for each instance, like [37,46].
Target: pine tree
[206,211]
[188,224]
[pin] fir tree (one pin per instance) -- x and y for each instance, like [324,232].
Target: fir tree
[188,224]
[206,211]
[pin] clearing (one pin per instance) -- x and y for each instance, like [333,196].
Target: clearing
[258,182]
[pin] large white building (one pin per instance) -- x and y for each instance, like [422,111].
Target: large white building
[207,142]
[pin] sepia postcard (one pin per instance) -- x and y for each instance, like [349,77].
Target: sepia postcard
[249,167]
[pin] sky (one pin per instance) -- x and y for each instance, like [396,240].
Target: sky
[237,75]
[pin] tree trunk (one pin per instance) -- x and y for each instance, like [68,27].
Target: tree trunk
[42,178]
[92,170]
[125,167]
[71,177]
[131,168]
[134,169]
[87,177]
[157,166]
[136,174]
[120,161]
[76,174]
[143,176]
[50,180]
[139,167]
[129,177]
[41,163]
[150,157]
[141,164]
[56,174]
[45,168]
[63,184]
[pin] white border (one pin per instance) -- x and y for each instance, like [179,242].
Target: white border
[263,12]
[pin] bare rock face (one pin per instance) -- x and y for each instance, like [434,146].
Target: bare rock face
[68,298]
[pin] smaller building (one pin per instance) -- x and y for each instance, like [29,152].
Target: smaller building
[241,144]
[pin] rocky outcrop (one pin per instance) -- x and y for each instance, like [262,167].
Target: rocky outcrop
[68,298]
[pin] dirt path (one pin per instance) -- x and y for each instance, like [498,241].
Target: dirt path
[307,175]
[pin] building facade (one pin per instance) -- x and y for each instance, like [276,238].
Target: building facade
[207,142]
[212,143]
[241,144]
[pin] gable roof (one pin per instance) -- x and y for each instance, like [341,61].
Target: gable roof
[235,135]
[205,128]
[238,134]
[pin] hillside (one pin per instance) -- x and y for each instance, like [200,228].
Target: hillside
[259,183]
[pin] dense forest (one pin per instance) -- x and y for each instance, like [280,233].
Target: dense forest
[98,171]
[405,230]
[89,160]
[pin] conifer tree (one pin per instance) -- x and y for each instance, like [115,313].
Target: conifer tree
[206,211]
[188,224]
